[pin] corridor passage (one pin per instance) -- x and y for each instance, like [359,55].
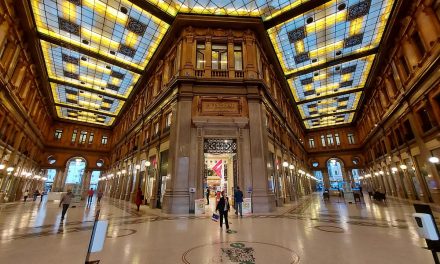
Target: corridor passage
[309,231]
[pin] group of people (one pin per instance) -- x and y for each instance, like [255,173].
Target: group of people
[35,194]
[223,205]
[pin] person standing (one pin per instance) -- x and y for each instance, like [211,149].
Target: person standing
[223,208]
[25,195]
[208,192]
[65,201]
[90,193]
[138,198]
[100,194]
[238,199]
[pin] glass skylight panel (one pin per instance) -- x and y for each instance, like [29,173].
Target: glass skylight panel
[337,119]
[70,66]
[331,31]
[258,8]
[116,29]
[332,80]
[330,106]
[72,96]
[84,116]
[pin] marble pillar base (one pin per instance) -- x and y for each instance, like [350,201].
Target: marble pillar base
[263,203]
[176,203]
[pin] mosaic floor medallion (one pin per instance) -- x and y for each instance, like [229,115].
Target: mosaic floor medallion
[241,252]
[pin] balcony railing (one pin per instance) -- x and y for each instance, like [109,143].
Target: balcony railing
[239,74]
[219,73]
[200,73]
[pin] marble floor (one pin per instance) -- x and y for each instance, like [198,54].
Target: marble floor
[308,231]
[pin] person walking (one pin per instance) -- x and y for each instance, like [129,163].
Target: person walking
[138,198]
[65,201]
[223,208]
[36,193]
[238,199]
[208,192]
[41,195]
[100,194]
[25,195]
[90,193]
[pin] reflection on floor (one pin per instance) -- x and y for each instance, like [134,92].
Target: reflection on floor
[307,231]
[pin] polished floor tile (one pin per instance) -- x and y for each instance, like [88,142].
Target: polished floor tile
[307,231]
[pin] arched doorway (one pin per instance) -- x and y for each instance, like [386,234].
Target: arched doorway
[75,172]
[335,168]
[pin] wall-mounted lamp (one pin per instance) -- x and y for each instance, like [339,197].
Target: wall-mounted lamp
[285,164]
[403,166]
[291,167]
[10,169]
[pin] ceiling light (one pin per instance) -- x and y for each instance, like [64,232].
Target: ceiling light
[433,160]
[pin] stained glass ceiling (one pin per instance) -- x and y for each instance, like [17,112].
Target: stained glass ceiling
[95,51]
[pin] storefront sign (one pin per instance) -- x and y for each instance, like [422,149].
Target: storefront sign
[199,206]
[247,206]
[220,107]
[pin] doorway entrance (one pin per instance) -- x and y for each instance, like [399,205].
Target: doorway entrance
[220,169]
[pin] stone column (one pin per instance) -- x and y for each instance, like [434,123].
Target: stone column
[176,197]
[208,57]
[326,179]
[262,199]
[85,184]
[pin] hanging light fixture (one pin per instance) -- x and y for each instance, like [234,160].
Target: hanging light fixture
[433,160]
[285,164]
[10,169]
[2,166]
[291,167]
[403,166]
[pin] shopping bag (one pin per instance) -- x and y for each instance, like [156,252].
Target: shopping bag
[215,217]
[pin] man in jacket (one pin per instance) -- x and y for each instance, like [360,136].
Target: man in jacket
[223,208]
[238,199]
[65,201]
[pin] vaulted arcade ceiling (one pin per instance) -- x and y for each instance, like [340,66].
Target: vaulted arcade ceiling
[96,51]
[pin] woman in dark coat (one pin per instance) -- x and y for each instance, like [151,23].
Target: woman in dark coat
[223,208]
[138,200]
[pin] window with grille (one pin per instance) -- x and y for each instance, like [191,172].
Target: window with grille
[82,137]
[200,56]
[238,58]
[219,57]
[58,133]
[75,132]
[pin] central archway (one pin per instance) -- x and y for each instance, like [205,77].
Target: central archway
[75,172]
[335,168]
